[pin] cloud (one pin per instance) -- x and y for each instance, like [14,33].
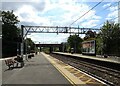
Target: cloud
[61,0]
[49,38]
[63,12]
[90,23]
[39,6]
[53,13]
[112,16]
[73,11]
[106,5]
[29,14]
[113,8]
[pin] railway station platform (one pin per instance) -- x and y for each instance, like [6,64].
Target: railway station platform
[109,59]
[44,70]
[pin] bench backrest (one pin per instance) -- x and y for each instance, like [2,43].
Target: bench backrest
[9,62]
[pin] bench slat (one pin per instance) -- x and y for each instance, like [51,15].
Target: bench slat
[9,62]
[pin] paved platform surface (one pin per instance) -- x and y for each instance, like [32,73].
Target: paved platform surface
[44,70]
[37,70]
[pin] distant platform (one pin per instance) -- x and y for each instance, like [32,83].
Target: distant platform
[90,57]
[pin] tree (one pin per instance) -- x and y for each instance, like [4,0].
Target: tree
[99,45]
[90,34]
[9,33]
[29,44]
[9,18]
[75,41]
[65,47]
[110,38]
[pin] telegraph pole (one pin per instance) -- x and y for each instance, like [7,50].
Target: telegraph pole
[119,12]
[78,30]
[26,51]
[22,43]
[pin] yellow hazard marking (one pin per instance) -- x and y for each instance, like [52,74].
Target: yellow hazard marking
[53,63]
[82,77]
[88,81]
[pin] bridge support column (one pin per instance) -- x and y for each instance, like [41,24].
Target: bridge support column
[60,49]
[40,49]
[51,49]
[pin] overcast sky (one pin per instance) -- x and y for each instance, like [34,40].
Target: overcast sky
[61,13]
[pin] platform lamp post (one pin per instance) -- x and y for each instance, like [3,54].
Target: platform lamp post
[22,43]
[35,47]
[18,44]
[40,48]
[26,50]
[29,49]
[119,13]
[26,46]
[78,30]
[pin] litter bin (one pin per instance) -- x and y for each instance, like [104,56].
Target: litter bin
[105,56]
[72,50]
[29,56]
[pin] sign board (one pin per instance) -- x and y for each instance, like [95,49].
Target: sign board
[88,47]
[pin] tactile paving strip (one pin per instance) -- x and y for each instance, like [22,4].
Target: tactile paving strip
[87,79]
[75,76]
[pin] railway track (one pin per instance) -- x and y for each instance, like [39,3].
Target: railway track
[109,76]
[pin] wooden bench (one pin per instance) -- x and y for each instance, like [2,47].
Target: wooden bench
[10,62]
[17,60]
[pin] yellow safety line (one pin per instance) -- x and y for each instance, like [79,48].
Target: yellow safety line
[76,72]
[88,80]
[61,72]
[81,76]
[66,76]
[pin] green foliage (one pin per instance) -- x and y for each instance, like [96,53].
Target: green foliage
[46,50]
[9,33]
[99,45]
[75,41]
[9,18]
[110,38]
[65,47]
[89,35]
[10,30]
[30,45]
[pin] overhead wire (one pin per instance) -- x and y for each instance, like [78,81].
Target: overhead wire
[103,22]
[86,12]
[110,19]
[103,10]
[108,7]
